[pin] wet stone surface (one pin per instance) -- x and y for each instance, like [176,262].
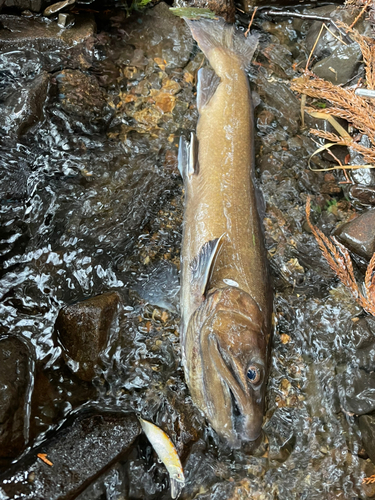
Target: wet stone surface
[72,463]
[16,376]
[92,205]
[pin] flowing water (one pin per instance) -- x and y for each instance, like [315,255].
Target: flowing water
[91,202]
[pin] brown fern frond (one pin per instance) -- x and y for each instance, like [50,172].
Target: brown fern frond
[369,480]
[367,46]
[339,260]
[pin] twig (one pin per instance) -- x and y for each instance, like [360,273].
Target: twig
[251,22]
[311,17]
[361,13]
[315,44]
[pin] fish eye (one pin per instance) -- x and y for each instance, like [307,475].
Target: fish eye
[253,374]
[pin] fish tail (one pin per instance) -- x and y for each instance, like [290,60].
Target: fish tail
[213,34]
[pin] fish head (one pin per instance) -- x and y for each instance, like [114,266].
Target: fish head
[227,354]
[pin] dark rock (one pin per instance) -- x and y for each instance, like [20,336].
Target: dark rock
[363,194]
[81,96]
[367,428]
[46,43]
[24,108]
[83,330]
[15,393]
[359,234]
[285,105]
[75,465]
[356,389]
[34,5]
[171,38]
[57,7]
[223,8]
[341,65]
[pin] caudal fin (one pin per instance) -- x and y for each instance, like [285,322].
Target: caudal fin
[217,34]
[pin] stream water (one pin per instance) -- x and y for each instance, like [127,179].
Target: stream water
[91,202]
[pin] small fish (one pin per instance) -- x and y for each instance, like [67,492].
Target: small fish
[167,454]
[226,298]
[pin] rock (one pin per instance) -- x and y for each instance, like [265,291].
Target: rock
[45,42]
[24,108]
[171,38]
[57,7]
[367,427]
[358,235]
[285,105]
[75,465]
[362,194]
[223,8]
[15,393]
[83,330]
[65,20]
[341,65]
[81,96]
[356,389]
[34,5]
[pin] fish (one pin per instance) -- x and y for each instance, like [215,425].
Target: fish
[226,295]
[167,454]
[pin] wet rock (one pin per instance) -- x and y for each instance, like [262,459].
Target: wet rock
[70,451]
[24,108]
[285,105]
[83,330]
[13,177]
[356,390]
[223,8]
[171,39]
[358,235]
[65,20]
[341,65]
[81,96]
[45,44]
[34,5]
[359,344]
[15,386]
[367,427]
[362,194]
[57,7]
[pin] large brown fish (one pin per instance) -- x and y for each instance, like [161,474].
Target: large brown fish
[226,301]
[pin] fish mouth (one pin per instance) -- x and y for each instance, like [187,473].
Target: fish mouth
[244,413]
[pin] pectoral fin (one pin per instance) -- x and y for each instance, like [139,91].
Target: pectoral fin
[188,156]
[208,81]
[202,265]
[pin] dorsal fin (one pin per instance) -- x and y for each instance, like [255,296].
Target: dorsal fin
[202,265]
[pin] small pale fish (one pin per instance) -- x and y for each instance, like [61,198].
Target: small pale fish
[167,454]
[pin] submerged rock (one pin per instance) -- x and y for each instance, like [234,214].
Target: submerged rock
[81,96]
[367,428]
[73,462]
[171,39]
[24,108]
[357,390]
[83,330]
[359,234]
[44,43]
[15,386]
